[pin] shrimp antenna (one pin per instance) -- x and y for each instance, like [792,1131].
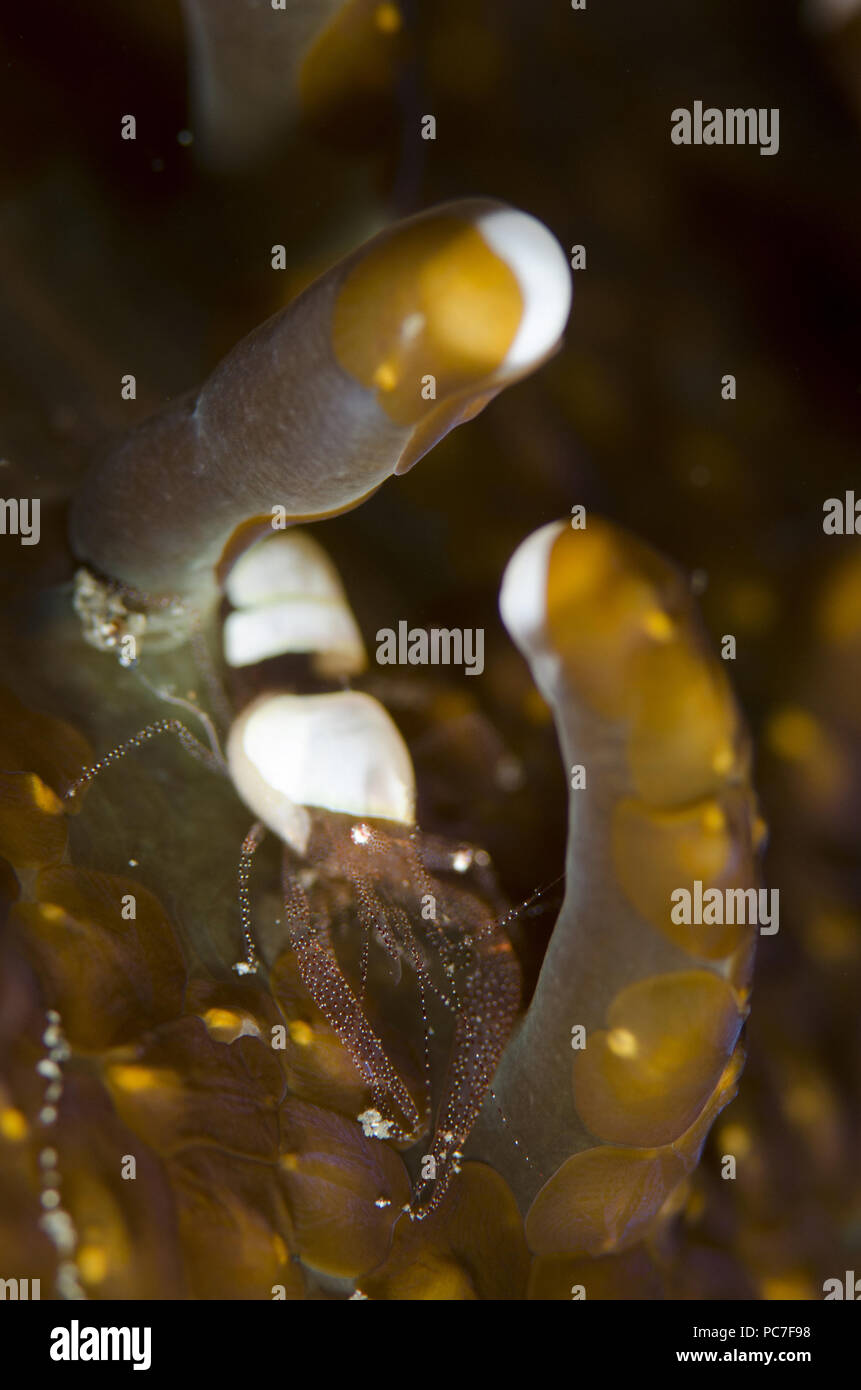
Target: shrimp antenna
[209,727]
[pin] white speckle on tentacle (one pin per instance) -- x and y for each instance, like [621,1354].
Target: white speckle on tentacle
[55,1221]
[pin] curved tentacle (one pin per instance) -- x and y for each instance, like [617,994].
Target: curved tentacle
[409,336]
[629,1047]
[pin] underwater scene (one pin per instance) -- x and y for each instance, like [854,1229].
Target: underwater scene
[430,651]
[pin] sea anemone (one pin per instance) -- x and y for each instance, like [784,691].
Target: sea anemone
[291,1001]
